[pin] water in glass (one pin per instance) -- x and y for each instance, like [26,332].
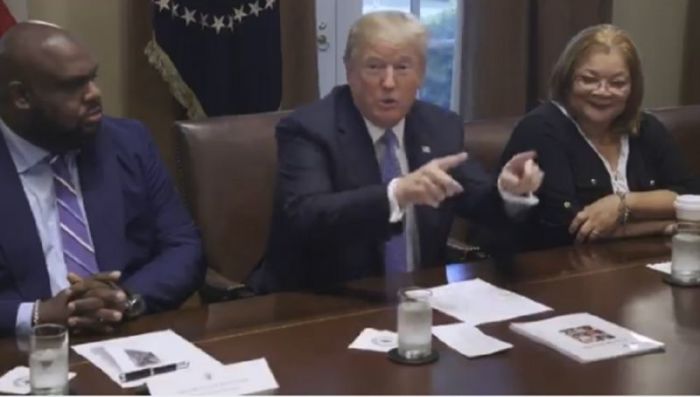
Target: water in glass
[415,320]
[685,256]
[49,371]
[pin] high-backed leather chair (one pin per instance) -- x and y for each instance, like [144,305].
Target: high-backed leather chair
[229,166]
[683,122]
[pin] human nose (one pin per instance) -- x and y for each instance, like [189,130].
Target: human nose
[603,87]
[93,92]
[388,81]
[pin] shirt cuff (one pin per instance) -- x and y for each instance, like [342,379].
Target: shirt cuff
[516,205]
[395,212]
[24,318]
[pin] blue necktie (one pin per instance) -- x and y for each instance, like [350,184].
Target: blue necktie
[395,248]
[78,251]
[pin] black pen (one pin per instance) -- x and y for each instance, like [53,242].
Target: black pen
[151,371]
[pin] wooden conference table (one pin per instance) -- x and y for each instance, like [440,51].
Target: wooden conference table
[304,336]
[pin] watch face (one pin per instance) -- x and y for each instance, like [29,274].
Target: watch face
[136,307]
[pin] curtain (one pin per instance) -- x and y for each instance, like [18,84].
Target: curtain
[509,48]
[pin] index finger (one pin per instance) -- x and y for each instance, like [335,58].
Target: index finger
[518,161]
[451,161]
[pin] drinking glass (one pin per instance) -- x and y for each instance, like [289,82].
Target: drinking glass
[48,359]
[415,320]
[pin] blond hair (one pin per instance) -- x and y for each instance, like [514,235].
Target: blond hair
[605,38]
[395,27]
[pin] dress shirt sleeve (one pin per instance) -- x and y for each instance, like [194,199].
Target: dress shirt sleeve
[24,318]
[395,212]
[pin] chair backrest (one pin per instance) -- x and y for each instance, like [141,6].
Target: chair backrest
[484,140]
[229,166]
[683,122]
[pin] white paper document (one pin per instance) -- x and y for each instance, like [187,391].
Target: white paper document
[375,340]
[245,377]
[585,337]
[477,302]
[16,381]
[132,360]
[468,340]
[663,267]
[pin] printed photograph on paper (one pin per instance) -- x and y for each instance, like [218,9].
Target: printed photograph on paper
[587,334]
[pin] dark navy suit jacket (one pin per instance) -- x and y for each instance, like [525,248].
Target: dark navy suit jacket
[138,224]
[331,211]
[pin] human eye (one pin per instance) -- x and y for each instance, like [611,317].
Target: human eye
[619,84]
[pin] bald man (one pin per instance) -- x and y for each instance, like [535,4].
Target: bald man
[92,230]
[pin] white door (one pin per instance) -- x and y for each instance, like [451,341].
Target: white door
[443,19]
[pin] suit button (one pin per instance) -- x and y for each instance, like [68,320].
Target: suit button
[567,205]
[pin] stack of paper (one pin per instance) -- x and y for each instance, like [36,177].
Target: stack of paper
[477,302]
[587,338]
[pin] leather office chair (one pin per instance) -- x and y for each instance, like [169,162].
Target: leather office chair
[683,122]
[228,166]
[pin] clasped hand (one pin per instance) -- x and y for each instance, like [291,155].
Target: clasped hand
[94,303]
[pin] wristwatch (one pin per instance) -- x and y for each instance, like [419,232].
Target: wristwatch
[135,306]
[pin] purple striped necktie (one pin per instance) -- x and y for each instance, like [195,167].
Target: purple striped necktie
[394,249]
[78,250]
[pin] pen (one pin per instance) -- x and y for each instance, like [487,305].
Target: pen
[151,371]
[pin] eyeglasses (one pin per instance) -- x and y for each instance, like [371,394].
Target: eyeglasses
[617,85]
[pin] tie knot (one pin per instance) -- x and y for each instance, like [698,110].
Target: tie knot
[390,139]
[59,165]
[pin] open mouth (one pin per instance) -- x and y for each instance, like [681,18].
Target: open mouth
[388,102]
[94,116]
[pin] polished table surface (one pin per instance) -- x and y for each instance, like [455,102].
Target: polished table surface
[304,336]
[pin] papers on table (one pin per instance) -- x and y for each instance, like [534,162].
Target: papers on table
[164,351]
[477,302]
[663,267]
[375,340]
[468,340]
[585,337]
[16,381]
[241,378]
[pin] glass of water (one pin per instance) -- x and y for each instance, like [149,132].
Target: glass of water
[48,359]
[685,253]
[415,320]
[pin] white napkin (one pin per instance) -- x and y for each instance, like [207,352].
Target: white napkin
[16,381]
[663,267]
[375,340]
[468,340]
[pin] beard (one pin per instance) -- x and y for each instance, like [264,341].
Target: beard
[44,131]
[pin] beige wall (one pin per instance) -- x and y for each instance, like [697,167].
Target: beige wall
[101,27]
[658,29]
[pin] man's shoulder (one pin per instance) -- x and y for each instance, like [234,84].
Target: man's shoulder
[123,128]
[431,111]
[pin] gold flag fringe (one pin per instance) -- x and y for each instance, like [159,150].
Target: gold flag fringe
[180,90]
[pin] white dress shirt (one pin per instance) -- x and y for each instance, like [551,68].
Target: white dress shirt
[36,176]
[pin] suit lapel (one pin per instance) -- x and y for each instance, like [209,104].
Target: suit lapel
[19,238]
[355,142]
[417,142]
[102,197]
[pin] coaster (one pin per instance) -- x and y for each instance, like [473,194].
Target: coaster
[681,283]
[395,357]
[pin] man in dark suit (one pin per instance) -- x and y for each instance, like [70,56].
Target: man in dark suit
[92,229]
[369,177]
